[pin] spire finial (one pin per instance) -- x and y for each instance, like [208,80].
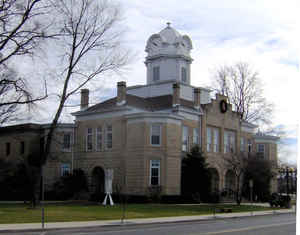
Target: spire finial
[168,24]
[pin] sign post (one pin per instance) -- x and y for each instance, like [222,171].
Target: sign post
[251,194]
[109,175]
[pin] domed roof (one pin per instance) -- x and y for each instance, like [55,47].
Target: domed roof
[170,35]
[169,42]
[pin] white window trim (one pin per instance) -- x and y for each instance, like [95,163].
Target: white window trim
[228,146]
[150,172]
[160,137]
[71,137]
[187,138]
[208,144]
[196,130]
[263,148]
[86,139]
[242,146]
[216,146]
[105,136]
[185,70]
[62,167]
[96,144]
[158,74]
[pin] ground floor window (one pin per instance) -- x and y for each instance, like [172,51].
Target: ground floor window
[65,169]
[154,172]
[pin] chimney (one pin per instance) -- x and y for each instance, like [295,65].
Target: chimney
[84,99]
[176,95]
[197,101]
[121,98]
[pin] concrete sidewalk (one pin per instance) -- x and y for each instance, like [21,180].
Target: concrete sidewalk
[62,225]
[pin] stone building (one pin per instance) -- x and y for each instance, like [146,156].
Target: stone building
[144,132]
[18,141]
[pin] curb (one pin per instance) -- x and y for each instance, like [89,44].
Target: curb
[131,223]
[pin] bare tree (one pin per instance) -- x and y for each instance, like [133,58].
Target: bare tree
[90,46]
[13,93]
[21,32]
[20,28]
[237,163]
[242,85]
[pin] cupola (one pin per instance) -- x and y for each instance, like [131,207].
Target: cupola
[168,56]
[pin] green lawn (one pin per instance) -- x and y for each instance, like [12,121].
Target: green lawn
[19,213]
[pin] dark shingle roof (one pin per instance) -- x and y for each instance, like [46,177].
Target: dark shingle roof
[150,104]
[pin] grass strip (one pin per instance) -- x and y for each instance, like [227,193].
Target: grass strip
[20,213]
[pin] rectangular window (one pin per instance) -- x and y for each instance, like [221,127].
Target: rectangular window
[22,147]
[99,139]
[242,147]
[89,139]
[67,141]
[65,169]
[109,137]
[249,146]
[226,142]
[155,134]
[261,150]
[216,140]
[7,149]
[185,136]
[208,139]
[183,74]
[154,172]
[196,136]
[156,73]
[229,141]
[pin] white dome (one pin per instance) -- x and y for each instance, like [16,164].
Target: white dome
[170,35]
[169,42]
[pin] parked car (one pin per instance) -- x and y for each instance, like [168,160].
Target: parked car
[280,200]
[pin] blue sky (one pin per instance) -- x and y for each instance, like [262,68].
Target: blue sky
[261,32]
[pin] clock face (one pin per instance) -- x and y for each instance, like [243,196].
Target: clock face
[155,43]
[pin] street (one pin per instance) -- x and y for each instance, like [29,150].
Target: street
[268,224]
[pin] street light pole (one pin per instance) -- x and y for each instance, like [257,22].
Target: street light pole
[287,181]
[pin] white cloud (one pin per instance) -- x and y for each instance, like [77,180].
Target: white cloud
[262,32]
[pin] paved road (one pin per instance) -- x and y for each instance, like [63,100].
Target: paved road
[268,224]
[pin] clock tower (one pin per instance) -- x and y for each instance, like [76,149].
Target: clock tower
[168,57]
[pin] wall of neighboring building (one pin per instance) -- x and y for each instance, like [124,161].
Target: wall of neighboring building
[32,136]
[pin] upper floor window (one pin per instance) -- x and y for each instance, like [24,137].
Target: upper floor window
[156,73]
[229,141]
[242,146]
[89,139]
[261,150]
[67,141]
[216,140]
[99,139]
[155,134]
[196,136]
[185,136]
[109,137]
[154,172]
[64,169]
[7,145]
[249,146]
[183,74]
[22,147]
[208,139]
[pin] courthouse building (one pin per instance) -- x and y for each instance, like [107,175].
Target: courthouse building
[144,132]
